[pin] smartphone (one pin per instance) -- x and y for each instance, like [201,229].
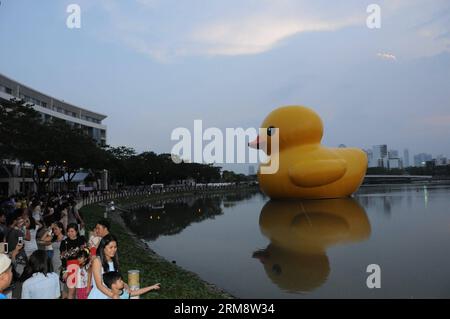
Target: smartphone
[4,248]
[20,242]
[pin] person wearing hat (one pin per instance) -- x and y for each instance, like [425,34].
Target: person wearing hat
[6,274]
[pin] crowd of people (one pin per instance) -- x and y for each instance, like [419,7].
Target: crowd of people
[46,253]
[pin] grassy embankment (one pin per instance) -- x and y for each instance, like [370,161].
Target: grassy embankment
[176,283]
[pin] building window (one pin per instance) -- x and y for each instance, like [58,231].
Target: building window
[5,89]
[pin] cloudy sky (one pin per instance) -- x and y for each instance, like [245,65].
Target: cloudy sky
[154,65]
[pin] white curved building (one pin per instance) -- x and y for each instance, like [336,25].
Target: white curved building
[11,179]
[48,107]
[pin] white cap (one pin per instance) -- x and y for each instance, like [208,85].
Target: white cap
[5,262]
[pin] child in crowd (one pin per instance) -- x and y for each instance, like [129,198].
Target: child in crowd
[83,274]
[114,281]
[94,241]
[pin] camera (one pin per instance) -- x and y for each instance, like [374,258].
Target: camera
[4,248]
[20,242]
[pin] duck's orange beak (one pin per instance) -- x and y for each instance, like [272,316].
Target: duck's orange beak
[262,255]
[258,143]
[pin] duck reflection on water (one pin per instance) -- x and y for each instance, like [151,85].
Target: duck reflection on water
[300,232]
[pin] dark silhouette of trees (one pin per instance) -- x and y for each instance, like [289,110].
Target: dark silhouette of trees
[55,149]
[52,148]
[129,168]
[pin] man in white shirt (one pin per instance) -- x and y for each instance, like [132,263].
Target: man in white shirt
[41,283]
[41,286]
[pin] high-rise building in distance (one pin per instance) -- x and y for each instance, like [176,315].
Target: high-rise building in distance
[406,158]
[380,156]
[421,159]
[393,154]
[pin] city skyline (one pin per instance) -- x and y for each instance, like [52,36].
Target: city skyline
[383,156]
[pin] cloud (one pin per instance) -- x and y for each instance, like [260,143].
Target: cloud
[232,28]
[387,56]
[168,29]
[256,34]
[437,120]
[149,3]
[437,28]
[423,26]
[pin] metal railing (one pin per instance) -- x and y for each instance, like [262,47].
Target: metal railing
[93,197]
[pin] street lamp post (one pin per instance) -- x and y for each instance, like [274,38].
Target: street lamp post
[109,208]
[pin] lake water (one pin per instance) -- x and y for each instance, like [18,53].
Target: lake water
[256,248]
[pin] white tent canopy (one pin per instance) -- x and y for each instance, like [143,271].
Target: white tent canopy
[79,177]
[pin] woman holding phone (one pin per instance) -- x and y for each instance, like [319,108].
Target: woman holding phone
[44,240]
[30,236]
[58,238]
[15,237]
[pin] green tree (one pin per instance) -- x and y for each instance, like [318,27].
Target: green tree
[53,148]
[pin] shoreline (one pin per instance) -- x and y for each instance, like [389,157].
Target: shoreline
[134,253]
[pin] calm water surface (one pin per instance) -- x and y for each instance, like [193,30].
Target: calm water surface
[256,248]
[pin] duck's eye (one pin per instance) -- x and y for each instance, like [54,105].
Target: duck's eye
[271,131]
[276,269]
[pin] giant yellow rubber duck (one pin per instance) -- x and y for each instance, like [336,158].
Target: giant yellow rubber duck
[307,170]
[301,232]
